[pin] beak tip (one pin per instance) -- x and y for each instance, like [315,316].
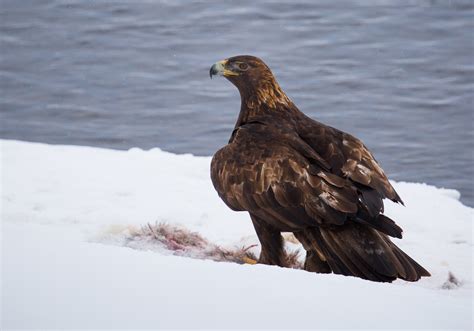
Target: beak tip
[213,71]
[218,69]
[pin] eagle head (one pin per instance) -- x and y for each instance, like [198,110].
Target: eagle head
[252,77]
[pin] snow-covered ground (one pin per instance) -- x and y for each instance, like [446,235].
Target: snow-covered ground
[67,212]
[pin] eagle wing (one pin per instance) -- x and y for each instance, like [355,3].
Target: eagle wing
[273,174]
[348,157]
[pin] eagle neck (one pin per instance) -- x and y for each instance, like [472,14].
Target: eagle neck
[266,99]
[246,115]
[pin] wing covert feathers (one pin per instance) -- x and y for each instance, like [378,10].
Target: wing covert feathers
[347,156]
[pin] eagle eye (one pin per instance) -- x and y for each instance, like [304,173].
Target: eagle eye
[243,66]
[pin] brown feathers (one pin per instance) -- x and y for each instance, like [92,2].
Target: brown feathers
[292,173]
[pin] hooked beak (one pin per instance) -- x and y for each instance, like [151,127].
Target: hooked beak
[219,68]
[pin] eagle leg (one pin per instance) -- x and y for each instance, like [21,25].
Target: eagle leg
[314,261]
[270,238]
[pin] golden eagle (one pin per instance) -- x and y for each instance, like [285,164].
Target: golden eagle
[294,174]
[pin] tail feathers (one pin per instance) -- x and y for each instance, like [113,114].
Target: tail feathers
[357,250]
[415,270]
[385,225]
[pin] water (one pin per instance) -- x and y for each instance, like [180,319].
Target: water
[122,74]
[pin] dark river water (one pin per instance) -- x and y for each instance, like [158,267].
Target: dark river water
[120,74]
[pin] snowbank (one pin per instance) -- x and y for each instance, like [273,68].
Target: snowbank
[67,212]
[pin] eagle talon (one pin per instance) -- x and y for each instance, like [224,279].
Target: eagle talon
[247,260]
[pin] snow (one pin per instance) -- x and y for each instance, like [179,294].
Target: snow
[67,212]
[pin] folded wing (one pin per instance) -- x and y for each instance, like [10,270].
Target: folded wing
[290,185]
